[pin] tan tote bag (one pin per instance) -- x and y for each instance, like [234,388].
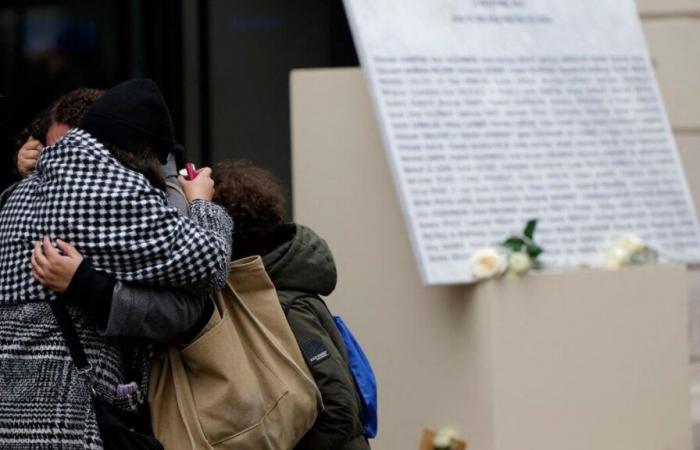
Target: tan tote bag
[242,383]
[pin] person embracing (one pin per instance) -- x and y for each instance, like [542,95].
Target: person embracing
[99,188]
[136,312]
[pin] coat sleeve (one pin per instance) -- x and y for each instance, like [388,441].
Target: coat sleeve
[339,422]
[159,314]
[215,220]
[136,311]
[156,314]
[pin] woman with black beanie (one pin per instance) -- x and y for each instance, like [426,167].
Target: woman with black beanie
[90,190]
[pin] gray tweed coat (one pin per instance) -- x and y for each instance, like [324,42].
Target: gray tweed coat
[45,403]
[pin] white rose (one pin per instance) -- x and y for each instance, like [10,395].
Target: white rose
[442,441]
[617,257]
[519,263]
[487,263]
[630,243]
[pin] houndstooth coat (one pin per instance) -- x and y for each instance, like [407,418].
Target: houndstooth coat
[80,193]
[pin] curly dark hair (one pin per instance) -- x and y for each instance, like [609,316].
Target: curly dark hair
[68,109]
[37,129]
[71,108]
[255,201]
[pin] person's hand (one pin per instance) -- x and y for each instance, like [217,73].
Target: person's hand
[201,188]
[28,156]
[50,268]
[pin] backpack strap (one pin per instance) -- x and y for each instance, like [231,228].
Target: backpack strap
[286,306]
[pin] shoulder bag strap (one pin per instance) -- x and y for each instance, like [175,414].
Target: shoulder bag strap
[70,335]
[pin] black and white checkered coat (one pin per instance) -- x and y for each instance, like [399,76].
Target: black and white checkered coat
[81,194]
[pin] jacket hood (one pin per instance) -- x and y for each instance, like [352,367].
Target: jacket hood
[303,262]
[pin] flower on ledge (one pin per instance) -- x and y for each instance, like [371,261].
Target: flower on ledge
[629,250]
[524,251]
[519,263]
[487,263]
[517,256]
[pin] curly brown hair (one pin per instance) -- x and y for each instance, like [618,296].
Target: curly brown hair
[68,109]
[255,201]
[71,108]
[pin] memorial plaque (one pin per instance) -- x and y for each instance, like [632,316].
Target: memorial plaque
[494,112]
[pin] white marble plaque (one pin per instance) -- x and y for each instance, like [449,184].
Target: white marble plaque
[497,111]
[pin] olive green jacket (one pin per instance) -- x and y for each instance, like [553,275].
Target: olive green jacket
[302,268]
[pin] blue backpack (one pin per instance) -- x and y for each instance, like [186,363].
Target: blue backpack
[364,378]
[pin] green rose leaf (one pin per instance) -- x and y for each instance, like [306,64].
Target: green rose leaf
[534,250]
[530,229]
[514,243]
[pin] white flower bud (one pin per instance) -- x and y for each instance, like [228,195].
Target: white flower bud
[519,263]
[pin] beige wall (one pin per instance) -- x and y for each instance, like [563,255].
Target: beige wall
[566,361]
[648,8]
[673,46]
[672,29]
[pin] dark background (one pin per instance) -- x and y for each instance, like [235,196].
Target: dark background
[223,65]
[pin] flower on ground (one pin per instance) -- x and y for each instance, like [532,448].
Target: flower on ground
[442,441]
[487,263]
[444,438]
[519,263]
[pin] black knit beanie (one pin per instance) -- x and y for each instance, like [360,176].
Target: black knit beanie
[130,115]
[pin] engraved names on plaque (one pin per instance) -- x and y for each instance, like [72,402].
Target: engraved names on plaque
[497,111]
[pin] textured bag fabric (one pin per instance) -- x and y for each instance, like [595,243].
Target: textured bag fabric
[242,383]
[80,193]
[117,429]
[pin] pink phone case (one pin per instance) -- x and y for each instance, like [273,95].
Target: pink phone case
[191,171]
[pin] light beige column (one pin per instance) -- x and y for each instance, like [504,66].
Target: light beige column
[672,29]
[665,8]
